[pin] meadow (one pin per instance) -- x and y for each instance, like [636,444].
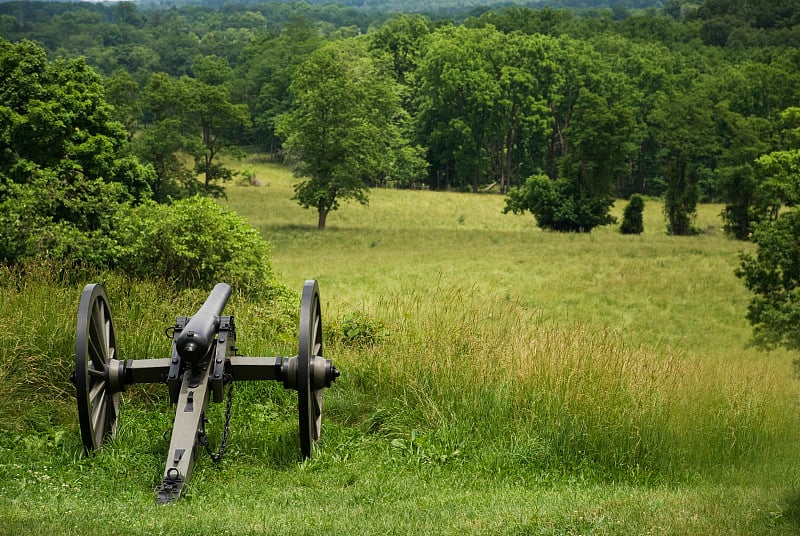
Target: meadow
[497,379]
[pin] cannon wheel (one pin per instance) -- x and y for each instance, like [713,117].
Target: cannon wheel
[309,399]
[98,402]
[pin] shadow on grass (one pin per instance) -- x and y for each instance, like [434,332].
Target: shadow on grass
[791,509]
[293,227]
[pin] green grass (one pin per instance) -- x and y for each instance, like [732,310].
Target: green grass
[497,379]
[652,289]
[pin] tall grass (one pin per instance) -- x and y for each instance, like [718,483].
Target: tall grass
[37,347]
[620,356]
[37,335]
[444,377]
[521,396]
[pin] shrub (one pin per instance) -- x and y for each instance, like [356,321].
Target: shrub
[48,217]
[194,243]
[632,217]
[559,205]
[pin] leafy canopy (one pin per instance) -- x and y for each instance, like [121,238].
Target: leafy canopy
[64,179]
[773,275]
[341,132]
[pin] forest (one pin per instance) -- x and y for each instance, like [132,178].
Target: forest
[414,6]
[564,110]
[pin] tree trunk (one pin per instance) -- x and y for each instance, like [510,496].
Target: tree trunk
[505,179]
[323,215]
[556,151]
[678,213]
[209,155]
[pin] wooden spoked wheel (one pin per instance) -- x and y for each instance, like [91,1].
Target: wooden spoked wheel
[97,371]
[310,351]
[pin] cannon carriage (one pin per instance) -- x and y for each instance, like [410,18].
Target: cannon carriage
[204,360]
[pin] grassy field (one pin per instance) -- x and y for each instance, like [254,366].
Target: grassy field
[497,379]
[651,289]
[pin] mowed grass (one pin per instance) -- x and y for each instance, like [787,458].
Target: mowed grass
[497,379]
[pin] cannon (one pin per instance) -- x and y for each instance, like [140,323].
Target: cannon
[204,361]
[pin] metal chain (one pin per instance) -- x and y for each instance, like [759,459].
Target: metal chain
[217,457]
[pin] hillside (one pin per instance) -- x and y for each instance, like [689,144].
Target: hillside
[497,379]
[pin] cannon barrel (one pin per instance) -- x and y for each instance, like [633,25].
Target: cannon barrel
[194,340]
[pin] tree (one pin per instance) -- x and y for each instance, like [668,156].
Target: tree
[737,182]
[601,141]
[212,70]
[558,205]
[64,180]
[54,115]
[210,111]
[342,128]
[458,91]
[687,136]
[176,43]
[401,38]
[163,138]
[483,105]
[521,118]
[632,222]
[185,115]
[269,65]
[773,275]
[122,92]
[161,144]
[780,172]
[756,191]
[587,90]
[635,80]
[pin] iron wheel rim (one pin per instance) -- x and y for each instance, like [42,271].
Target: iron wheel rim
[310,348]
[98,405]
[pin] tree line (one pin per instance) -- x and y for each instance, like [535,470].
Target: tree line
[563,110]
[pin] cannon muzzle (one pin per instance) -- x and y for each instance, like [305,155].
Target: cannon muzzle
[194,340]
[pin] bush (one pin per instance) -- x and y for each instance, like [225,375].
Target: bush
[194,243]
[632,222]
[50,218]
[559,205]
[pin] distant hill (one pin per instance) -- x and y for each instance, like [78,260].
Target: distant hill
[406,5]
[446,5]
